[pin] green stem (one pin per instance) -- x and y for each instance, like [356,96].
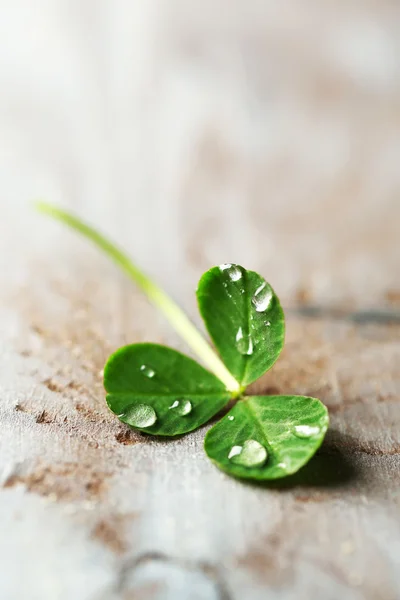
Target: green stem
[156,295]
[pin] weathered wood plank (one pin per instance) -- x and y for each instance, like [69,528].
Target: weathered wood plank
[161,508]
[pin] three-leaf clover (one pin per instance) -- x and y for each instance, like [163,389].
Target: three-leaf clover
[160,391]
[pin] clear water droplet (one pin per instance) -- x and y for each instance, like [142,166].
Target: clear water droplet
[306,431]
[147,371]
[268,323]
[262,297]
[225,266]
[282,465]
[181,407]
[244,343]
[139,415]
[231,418]
[235,451]
[251,454]
[233,271]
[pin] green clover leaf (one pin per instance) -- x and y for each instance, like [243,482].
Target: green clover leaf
[267,437]
[162,392]
[244,319]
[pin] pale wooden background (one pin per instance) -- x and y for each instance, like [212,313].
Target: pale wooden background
[197,133]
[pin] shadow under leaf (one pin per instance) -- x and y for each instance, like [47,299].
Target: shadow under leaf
[330,469]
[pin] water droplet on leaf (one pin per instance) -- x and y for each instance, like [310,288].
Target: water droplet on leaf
[251,454]
[235,451]
[147,371]
[306,431]
[244,343]
[262,298]
[139,415]
[233,271]
[181,407]
[231,418]
[268,323]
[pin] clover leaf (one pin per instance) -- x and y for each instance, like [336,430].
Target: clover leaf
[160,391]
[267,437]
[244,319]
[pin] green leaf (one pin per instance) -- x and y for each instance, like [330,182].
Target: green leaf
[244,319]
[161,391]
[267,437]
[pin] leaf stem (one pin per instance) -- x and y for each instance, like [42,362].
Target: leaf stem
[156,295]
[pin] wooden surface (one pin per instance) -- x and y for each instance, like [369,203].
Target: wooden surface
[195,134]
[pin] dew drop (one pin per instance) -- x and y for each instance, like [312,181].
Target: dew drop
[231,418]
[147,371]
[139,415]
[233,271]
[251,454]
[181,407]
[235,451]
[244,343]
[306,431]
[268,323]
[262,297]
[225,266]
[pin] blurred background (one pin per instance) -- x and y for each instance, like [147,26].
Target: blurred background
[259,132]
